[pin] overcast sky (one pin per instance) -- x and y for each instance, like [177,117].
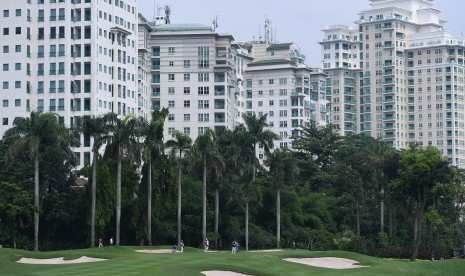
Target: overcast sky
[297,21]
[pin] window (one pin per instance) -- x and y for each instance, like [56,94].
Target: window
[5,121]
[271,81]
[187,130]
[6,67]
[171,90]
[170,103]
[187,77]
[204,77]
[5,103]
[187,90]
[170,117]
[204,90]
[6,85]
[171,77]
[171,63]
[204,117]
[17,66]
[203,57]
[18,48]
[17,102]
[203,104]
[17,84]
[187,104]
[6,13]
[6,49]
[187,63]
[187,117]
[171,50]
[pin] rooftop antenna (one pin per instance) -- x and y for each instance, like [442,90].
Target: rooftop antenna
[259,34]
[215,23]
[267,30]
[154,10]
[167,13]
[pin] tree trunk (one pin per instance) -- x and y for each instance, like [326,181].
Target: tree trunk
[357,218]
[149,202]
[14,239]
[217,208]
[179,199]
[247,225]
[94,196]
[36,203]
[204,200]
[118,199]
[381,215]
[278,217]
[419,218]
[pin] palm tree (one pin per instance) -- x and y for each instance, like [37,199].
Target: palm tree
[98,129]
[256,134]
[153,145]
[33,134]
[282,169]
[181,143]
[124,144]
[206,149]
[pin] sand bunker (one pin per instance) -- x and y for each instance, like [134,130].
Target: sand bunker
[327,262]
[60,260]
[266,250]
[157,251]
[222,273]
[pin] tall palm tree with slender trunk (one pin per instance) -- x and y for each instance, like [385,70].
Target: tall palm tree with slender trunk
[152,133]
[282,169]
[257,133]
[180,144]
[33,134]
[97,128]
[124,144]
[205,148]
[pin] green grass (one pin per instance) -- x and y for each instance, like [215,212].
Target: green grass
[125,261]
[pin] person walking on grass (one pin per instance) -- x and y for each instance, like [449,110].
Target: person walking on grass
[233,247]
[207,243]
[100,243]
[181,245]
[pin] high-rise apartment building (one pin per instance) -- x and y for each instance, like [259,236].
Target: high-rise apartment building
[411,76]
[191,71]
[72,58]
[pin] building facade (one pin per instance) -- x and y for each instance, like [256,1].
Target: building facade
[72,58]
[411,77]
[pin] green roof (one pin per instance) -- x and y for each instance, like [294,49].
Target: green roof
[181,28]
[269,62]
[280,46]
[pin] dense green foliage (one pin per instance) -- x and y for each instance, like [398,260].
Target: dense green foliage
[326,193]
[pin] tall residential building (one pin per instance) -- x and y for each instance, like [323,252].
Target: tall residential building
[412,77]
[191,72]
[72,58]
[278,83]
[340,55]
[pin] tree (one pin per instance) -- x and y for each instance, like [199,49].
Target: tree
[283,169]
[34,134]
[205,148]
[180,144]
[124,144]
[153,145]
[98,128]
[424,174]
[256,134]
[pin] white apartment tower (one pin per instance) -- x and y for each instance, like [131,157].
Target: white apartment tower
[191,71]
[278,83]
[412,83]
[340,56]
[72,58]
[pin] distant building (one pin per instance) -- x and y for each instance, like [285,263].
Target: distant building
[411,76]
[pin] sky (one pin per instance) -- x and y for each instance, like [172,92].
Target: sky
[299,21]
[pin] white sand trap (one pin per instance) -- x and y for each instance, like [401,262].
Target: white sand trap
[60,260]
[266,250]
[222,273]
[157,251]
[327,262]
